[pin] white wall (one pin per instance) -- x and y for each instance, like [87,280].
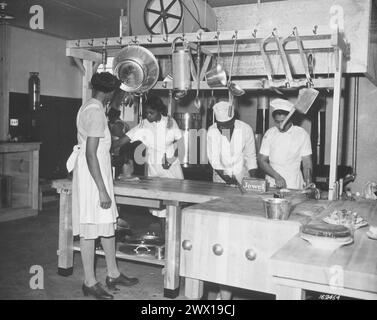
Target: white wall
[367,135]
[36,52]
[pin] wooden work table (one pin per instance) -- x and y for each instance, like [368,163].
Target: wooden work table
[147,192]
[234,241]
[349,271]
[235,244]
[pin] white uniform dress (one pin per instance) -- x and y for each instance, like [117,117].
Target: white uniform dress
[237,156]
[91,221]
[285,151]
[158,140]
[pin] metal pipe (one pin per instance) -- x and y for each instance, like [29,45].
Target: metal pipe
[355,124]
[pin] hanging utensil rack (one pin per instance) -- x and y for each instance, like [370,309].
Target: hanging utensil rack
[90,51]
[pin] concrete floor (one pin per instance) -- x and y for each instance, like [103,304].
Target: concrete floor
[34,241]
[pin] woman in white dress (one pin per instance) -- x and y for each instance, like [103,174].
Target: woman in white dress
[94,211]
[159,133]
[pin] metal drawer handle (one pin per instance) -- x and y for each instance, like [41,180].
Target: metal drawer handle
[217,249]
[250,254]
[187,245]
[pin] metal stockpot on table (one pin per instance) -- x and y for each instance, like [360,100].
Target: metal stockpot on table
[189,123]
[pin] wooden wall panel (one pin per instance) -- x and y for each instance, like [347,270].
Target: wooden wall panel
[305,14]
[56,129]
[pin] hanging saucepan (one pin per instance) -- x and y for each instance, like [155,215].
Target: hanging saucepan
[137,68]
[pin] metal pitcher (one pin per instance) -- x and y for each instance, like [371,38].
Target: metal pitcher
[181,65]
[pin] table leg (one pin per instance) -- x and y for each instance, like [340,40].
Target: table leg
[193,288]
[289,293]
[65,251]
[172,250]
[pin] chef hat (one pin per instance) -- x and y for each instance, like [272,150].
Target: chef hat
[221,110]
[281,104]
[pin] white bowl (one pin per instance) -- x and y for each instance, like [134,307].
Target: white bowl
[328,244]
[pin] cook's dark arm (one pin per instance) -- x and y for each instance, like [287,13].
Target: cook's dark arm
[253,173]
[307,166]
[94,169]
[264,164]
[250,155]
[175,155]
[120,142]
[225,177]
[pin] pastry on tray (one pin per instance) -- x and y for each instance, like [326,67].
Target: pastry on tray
[345,217]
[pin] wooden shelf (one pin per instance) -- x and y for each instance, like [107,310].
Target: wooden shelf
[8,214]
[319,83]
[123,256]
[166,40]
[19,146]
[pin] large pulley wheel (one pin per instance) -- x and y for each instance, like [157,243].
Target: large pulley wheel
[163,16]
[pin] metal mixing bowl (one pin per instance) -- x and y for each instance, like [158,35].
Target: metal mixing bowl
[277,209]
[137,68]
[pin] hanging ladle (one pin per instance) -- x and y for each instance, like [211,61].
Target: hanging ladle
[197,101]
[234,88]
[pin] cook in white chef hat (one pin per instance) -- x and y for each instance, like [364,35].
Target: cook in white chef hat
[221,110]
[281,104]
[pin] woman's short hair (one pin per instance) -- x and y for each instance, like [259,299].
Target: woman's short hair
[155,103]
[105,82]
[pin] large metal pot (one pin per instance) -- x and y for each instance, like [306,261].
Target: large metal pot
[189,147]
[137,68]
[277,209]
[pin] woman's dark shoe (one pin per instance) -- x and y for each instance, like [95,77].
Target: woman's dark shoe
[122,280]
[97,291]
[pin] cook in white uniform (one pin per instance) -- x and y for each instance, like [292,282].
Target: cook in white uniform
[283,151]
[230,146]
[231,153]
[94,210]
[159,133]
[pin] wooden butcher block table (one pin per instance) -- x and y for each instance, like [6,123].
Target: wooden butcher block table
[151,193]
[229,241]
[349,271]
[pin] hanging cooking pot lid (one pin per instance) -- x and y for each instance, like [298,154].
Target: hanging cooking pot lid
[137,68]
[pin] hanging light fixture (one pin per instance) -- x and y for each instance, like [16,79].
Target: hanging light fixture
[3,14]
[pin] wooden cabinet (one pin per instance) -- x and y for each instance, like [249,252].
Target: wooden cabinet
[20,161]
[231,246]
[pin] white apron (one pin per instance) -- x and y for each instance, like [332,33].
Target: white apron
[86,207]
[231,156]
[159,139]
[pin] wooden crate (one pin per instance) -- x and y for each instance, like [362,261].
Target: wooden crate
[20,161]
